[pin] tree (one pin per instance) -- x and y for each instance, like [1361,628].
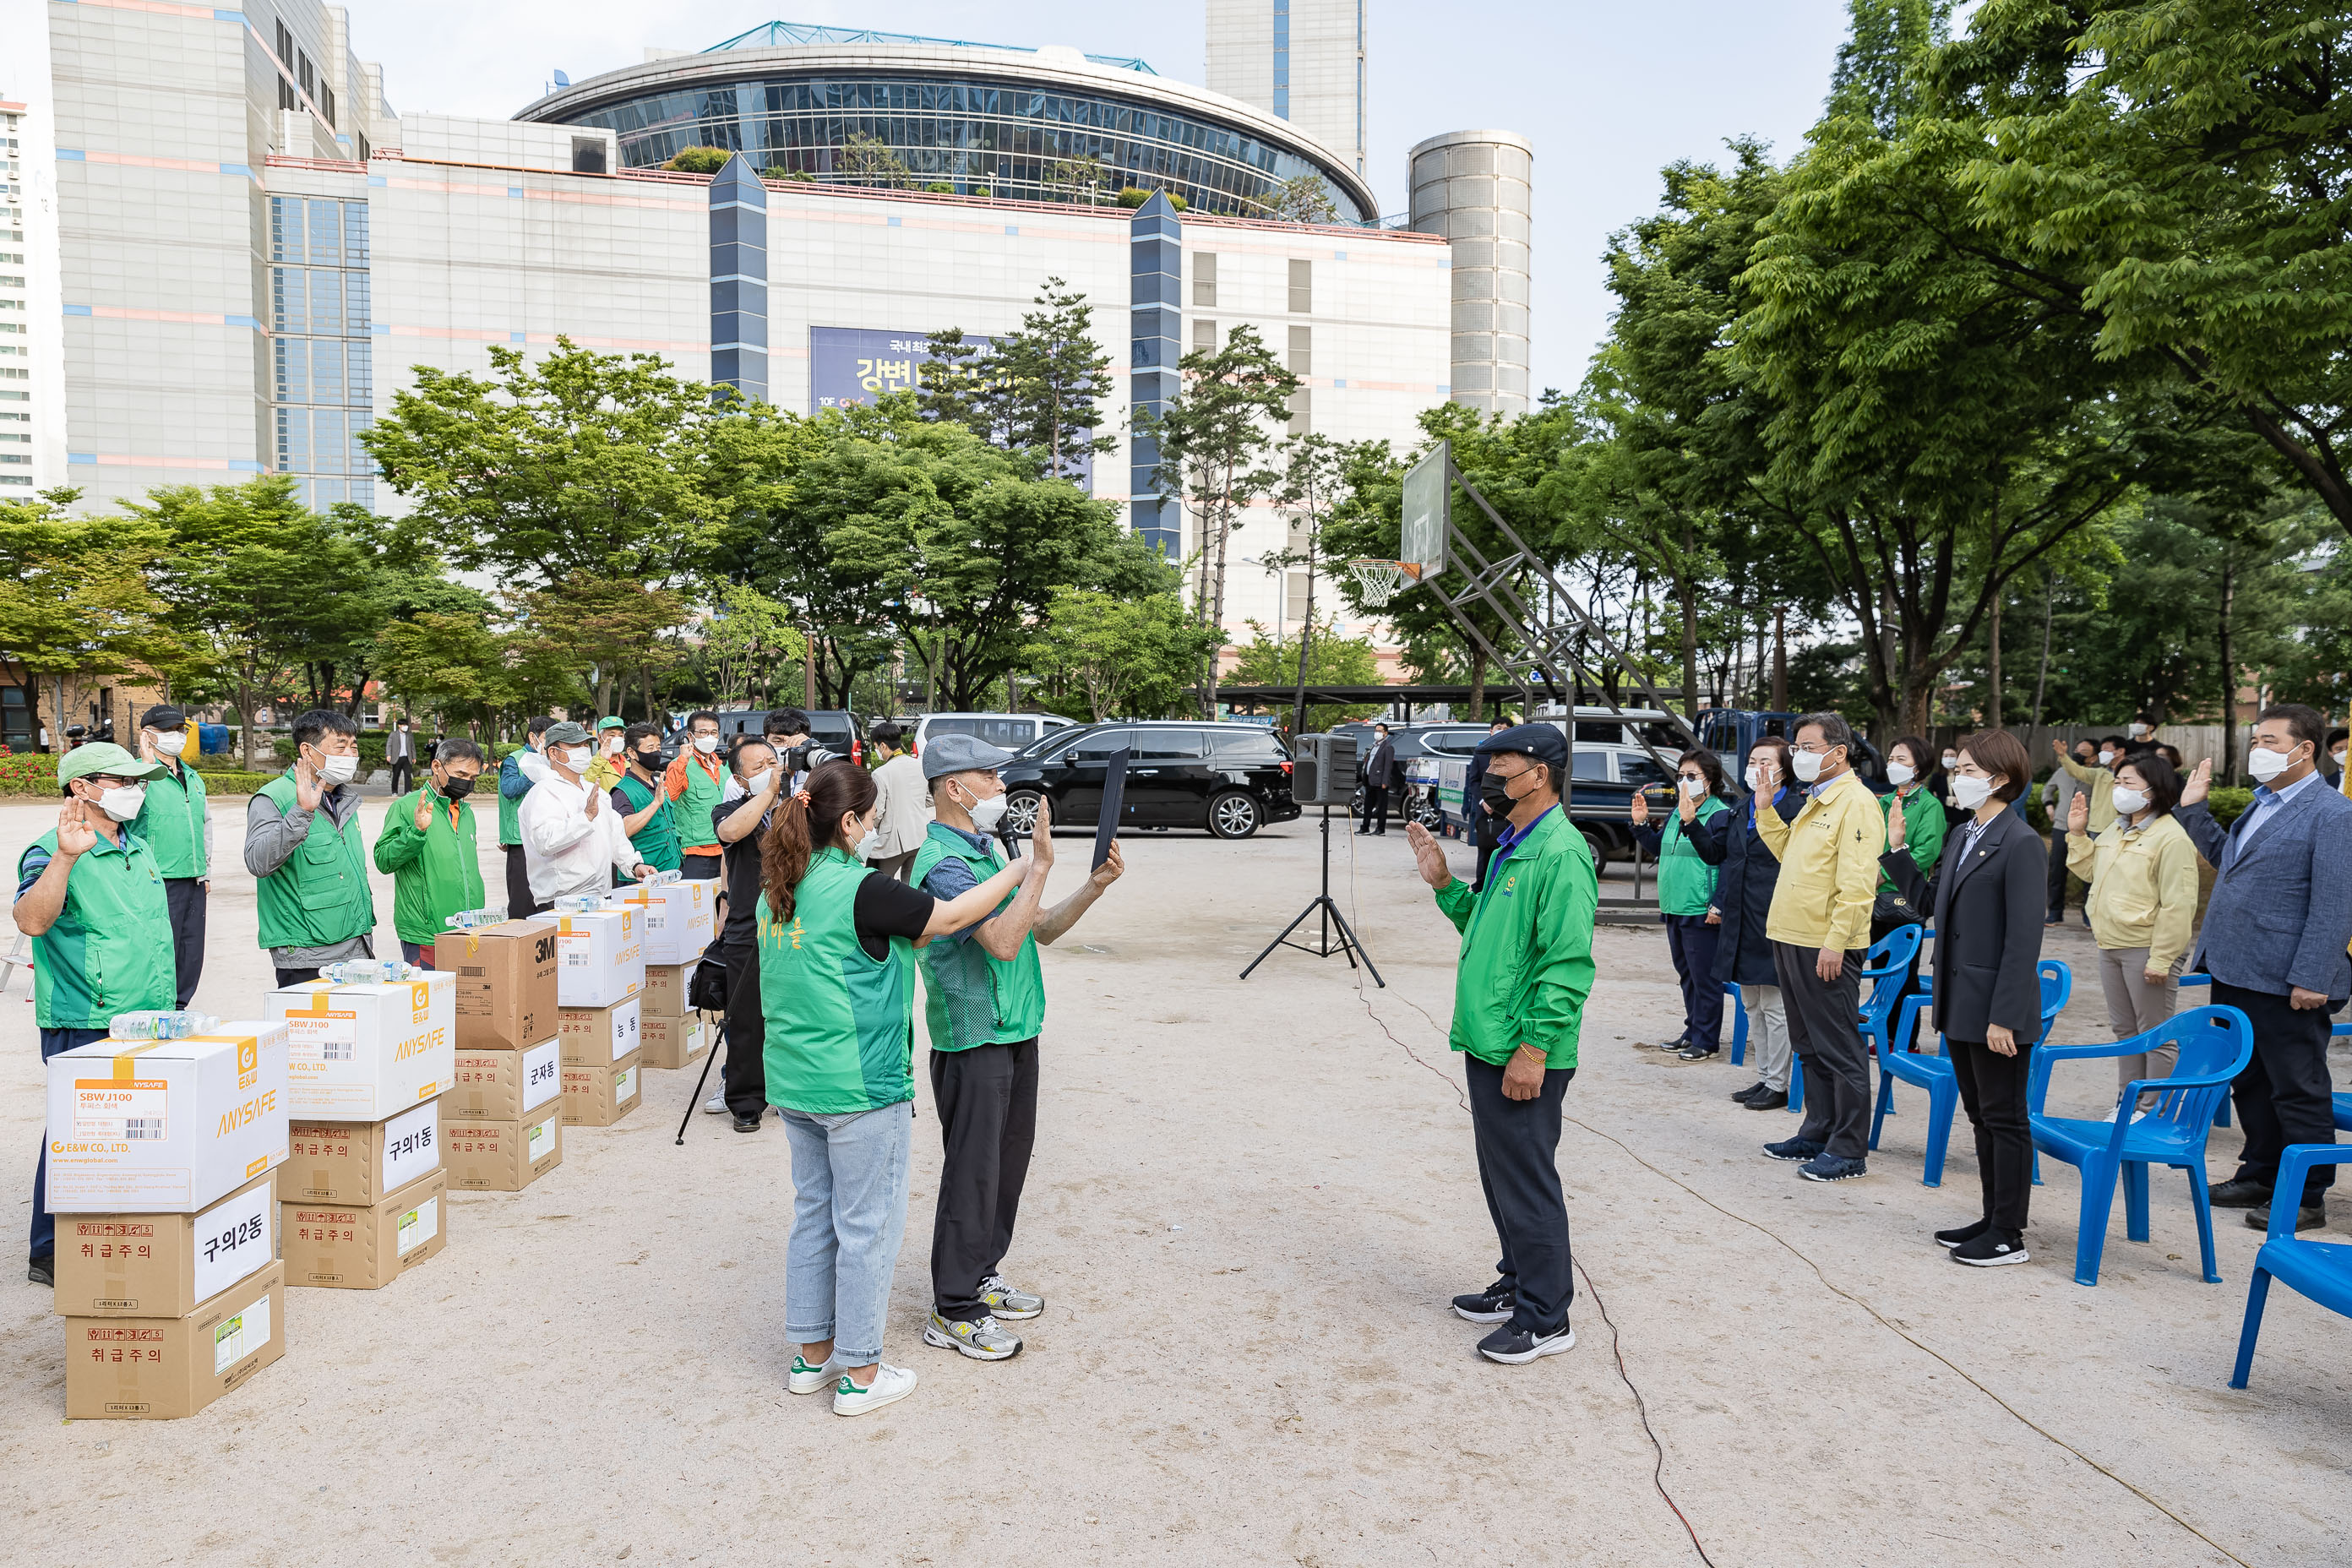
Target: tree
[1212,438]
[452,666]
[1304,198]
[700,161]
[580,462]
[1041,388]
[1313,481]
[949,387]
[746,637]
[870,160]
[1330,659]
[75,603]
[1078,179]
[615,628]
[1101,655]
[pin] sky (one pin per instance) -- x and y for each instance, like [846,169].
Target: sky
[1609,92]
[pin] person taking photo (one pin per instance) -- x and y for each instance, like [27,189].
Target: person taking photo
[428,848]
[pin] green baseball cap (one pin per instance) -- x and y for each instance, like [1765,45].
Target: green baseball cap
[612,722]
[104,757]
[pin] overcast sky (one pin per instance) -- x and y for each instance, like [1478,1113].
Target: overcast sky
[1609,92]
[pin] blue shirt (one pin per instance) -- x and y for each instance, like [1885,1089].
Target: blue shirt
[2266,801]
[951,878]
[1509,840]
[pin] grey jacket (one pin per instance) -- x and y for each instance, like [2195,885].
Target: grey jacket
[2281,913]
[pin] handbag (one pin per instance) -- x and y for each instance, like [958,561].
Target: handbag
[1891,912]
[707,989]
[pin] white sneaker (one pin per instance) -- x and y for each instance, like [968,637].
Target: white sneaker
[890,1384]
[2110,1116]
[716,1105]
[807,1379]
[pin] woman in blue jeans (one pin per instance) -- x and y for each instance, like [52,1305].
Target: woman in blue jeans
[837,992]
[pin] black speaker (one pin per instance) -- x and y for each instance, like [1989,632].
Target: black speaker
[1324,771]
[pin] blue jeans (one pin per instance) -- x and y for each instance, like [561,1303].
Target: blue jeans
[45,1224]
[849,1213]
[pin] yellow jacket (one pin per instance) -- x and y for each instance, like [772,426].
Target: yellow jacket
[1828,867]
[2143,886]
[2100,785]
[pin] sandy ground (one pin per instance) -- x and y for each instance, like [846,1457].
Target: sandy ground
[1250,1203]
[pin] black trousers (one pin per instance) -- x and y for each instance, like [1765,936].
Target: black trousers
[296,976]
[184,898]
[1992,1090]
[1693,942]
[520,905]
[1376,808]
[744,1075]
[403,771]
[699,868]
[986,1098]
[2058,875]
[1489,828]
[1518,1169]
[1825,1031]
[2284,1096]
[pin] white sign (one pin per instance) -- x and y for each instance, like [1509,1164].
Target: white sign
[233,1239]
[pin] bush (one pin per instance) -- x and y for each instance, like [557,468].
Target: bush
[2229,804]
[982,190]
[1135,197]
[700,161]
[34,774]
[941,188]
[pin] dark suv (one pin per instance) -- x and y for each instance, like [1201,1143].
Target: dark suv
[1232,779]
[834,729]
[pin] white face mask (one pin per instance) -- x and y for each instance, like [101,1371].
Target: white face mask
[706,745]
[2107,759]
[1755,776]
[987,813]
[1899,773]
[2139,730]
[871,845]
[760,781]
[2130,802]
[1808,765]
[2266,765]
[1694,787]
[613,744]
[576,758]
[123,802]
[338,771]
[1951,760]
[171,742]
[1968,794]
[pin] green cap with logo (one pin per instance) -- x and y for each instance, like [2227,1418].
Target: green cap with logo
[104,757]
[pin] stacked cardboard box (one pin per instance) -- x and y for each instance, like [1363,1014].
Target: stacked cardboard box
[676,918]
[162,1162]
[503,1124]
[362,1199]
[674,1034]
[599,956]
[601,1061]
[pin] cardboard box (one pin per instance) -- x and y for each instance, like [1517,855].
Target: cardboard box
[502,1156]
[676,918]
[504,1086]
[599,1095]
[159,1369]
[341,1163]
[356,1248]
[164,1265]
[360,1053]
[597,1036]
[165,1126]
[665,994]
[673,1042]
[601,957]
[505,982]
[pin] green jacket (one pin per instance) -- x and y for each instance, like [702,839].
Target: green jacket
[971,998]
[434,873]
[321,895]
[111,949]
[1527,946]
[840,1024]
[1924,825]
[656,841]
[171,822]
[1685,882]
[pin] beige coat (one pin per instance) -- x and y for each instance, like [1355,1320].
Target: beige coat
[906,804]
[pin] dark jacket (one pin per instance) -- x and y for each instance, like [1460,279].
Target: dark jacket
[2281,911]
[1380,767]
[1743,889]
[1484,826]
[1989,899]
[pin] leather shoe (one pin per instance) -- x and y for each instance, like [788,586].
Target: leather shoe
[1751,1091]
[2236,1193]
[1770,1099]
[2311,1217]
[747,1123]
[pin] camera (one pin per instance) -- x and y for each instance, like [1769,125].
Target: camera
[806,756]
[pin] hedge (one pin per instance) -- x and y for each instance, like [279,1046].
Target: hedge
[36,774]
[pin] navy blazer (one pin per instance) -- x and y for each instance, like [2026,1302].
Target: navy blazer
[1989,910]
[1743,888]
[2281,914]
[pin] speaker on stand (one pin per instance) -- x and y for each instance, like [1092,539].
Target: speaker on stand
[1323,772]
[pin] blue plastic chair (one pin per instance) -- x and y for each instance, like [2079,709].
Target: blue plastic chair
[2221,1112]
[2215,1044]
[1739,1024]
[2342,1100]
[1934,1073]
[1884,962]
[2319,1269]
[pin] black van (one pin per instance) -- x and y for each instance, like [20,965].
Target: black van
[1230,779]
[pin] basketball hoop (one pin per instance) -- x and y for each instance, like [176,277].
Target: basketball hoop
[1378,581]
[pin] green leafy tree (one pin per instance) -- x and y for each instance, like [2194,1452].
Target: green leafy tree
[949,387]
[1041,387]
[1303,198]
[451,666]
[76,607]
[611,630]
[745,638]
[1273,660]
[866,160]
[1098,655]
[1313,484]
[700,161]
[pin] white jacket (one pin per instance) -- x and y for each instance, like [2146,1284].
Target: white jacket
[566,851]
[906,803]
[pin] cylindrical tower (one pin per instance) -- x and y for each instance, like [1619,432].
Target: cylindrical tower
[1475,188]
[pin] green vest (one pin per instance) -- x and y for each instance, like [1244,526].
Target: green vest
[510,811]
[971,998]
[702,792]
[111,949]
[1685,882]
[841,1025]
[171,822]
[320,896]
[656,841]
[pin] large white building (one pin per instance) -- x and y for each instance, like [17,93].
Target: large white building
[236,253]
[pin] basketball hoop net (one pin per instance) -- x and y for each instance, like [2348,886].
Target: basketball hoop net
[1377,582]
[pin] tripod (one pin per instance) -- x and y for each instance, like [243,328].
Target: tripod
[1349,944]
[718,1044]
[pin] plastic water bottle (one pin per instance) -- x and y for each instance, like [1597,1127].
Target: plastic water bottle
[579,904]
[161,1026]
[367,972]
[467,919]
[664,878]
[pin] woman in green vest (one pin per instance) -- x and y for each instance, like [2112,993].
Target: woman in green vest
[646,816]
[428,848]
[1924,824]
[1686,899]
[836,946]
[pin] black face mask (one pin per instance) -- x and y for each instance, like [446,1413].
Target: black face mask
[457,789]
[649,760]
[1493,790]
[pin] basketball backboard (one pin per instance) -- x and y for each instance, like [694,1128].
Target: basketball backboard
[1428,493]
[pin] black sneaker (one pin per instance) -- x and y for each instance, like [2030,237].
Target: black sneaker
[1828,1167]
[1494,1304]
[1770,1099]
[1965,1233]
[1751,1091]
[749,1123]
[1793,1148]
[38,1272]
[1991,1249]
[2241,1195]
[1513,1346]
[1697,1053]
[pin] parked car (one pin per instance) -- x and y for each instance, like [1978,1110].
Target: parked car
[834,729]
[1230,779]
[1011,731]
[1603,776]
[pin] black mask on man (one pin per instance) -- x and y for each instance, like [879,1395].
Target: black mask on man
[1493,790]
[457,789]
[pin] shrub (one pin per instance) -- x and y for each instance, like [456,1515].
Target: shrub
[700,161]
[982,190]
[941,188]
[1135,197]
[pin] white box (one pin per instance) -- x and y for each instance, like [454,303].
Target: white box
[165,1126]
[362,1053]
[676,918]
[600,957]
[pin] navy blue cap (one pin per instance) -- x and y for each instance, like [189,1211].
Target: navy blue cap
[1544,742]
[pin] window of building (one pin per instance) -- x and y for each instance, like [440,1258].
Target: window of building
[1204,280]
[310,79]
[1302,412]
[1302,288]
[285,45]
[587,154]
[286,99]
[1205,336]
[1302,350]
[327,105]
